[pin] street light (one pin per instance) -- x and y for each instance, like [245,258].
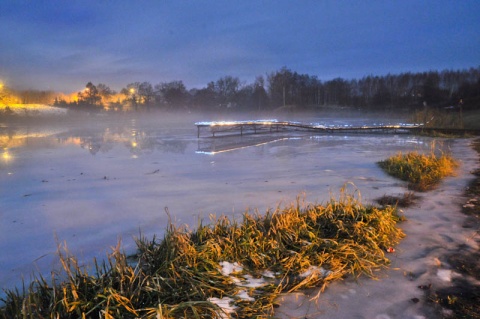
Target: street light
[134,98]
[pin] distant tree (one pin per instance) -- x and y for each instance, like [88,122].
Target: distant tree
[146,93]
[280,85]
[337,92]
[244,98]
[58,101]
[172,94]
[139,93]
[280,88]
[226,89]
[3,93]
[286,87]
[259,94]
[35,96]
[382,96]
[105,92]
[468,95]
[431,92]
[205,98]
[131,94]
[90,95]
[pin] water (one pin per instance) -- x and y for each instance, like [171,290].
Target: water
[93,182]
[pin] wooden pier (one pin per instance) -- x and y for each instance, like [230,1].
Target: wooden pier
[221,128]
[240,127]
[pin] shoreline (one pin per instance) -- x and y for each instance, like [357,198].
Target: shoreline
[461,299]
[422,281]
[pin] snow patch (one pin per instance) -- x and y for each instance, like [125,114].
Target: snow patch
[315,270]
[229,268]
[268,274]
[253,282]
[225,304]
[244,295]
[445,274]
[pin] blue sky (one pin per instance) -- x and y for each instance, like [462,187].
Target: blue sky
[61,45]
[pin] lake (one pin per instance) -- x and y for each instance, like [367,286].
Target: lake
[98,179]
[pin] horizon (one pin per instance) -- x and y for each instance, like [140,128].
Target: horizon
[3,85]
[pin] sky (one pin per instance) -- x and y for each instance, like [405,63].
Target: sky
[61,45]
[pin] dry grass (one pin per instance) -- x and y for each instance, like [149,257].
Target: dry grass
[437,118]
[176,276]
[422,171]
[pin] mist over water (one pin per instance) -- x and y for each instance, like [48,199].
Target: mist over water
[92,181]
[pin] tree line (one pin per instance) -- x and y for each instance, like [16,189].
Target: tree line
[285,88]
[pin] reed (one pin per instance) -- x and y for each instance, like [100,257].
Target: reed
[423,172]
[300,246]
[437,118]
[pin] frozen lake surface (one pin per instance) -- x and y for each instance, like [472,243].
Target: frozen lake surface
[91,182]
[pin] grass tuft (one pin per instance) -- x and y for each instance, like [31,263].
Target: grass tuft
[422,172]
[302,245]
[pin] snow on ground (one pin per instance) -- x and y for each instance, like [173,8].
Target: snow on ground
[33,110]
[91,185]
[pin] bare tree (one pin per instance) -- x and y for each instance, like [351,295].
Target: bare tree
[105,92]
[89,95]
[172,93]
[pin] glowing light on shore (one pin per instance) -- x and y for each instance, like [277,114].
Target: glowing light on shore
[7,157]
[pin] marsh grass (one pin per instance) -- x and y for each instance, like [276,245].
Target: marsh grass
[303,245]
[423,172]
[437,118]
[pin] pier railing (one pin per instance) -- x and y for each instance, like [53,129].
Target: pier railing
[253,127]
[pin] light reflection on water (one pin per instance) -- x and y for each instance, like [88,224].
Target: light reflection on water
[142,140]
[93,140]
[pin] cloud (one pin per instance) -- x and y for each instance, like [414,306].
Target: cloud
[118,42]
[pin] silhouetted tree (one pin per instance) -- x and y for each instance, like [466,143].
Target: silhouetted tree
[35,96]
[284,87]
[105,92]
[226,89]
[290,88]
[259,94]
[205,98]
[279,87]
[146,93]
[89,96]
[172,93]
[131,94]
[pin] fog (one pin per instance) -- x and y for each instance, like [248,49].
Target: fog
[91,180]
